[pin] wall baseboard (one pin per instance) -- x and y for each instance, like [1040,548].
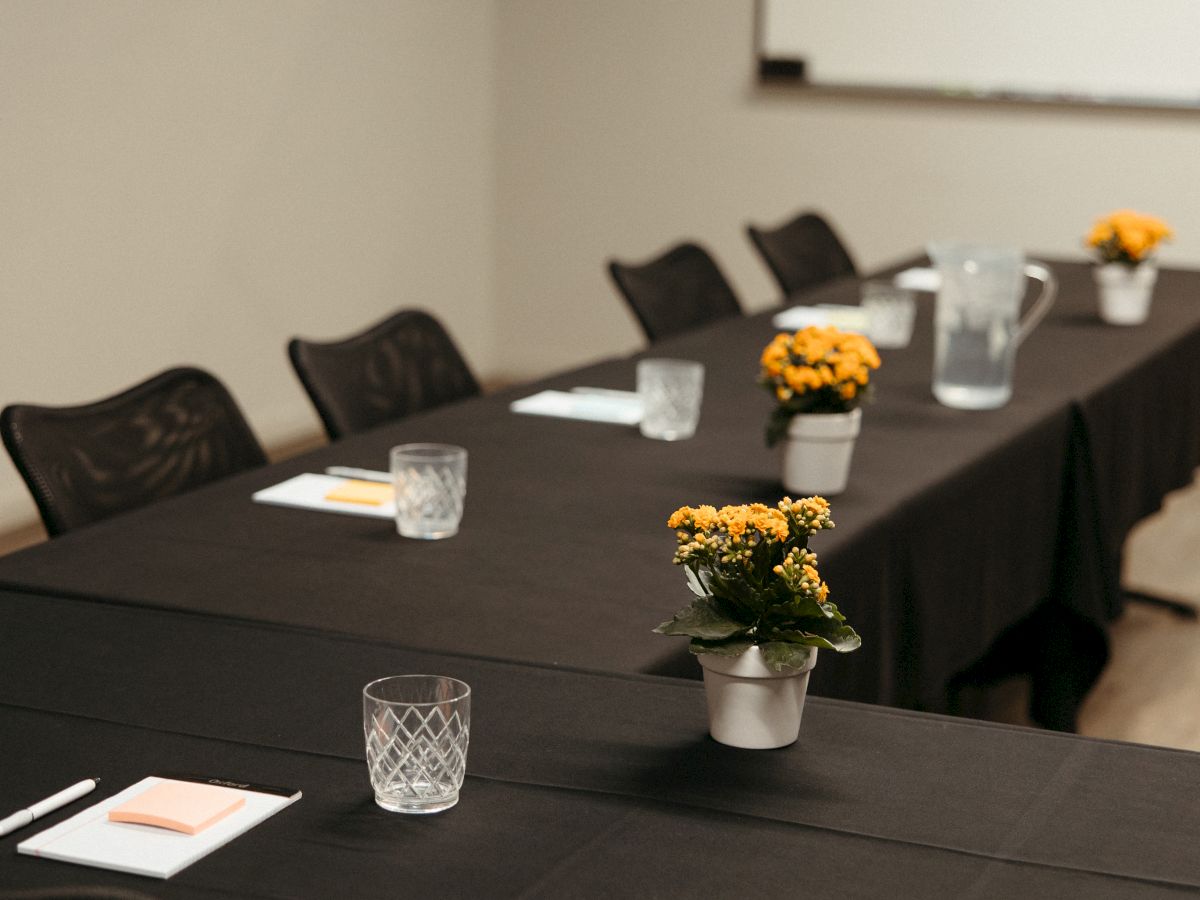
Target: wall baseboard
[24,535]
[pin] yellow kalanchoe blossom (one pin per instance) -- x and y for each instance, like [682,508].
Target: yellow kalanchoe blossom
[733,530]
[755,582]
[817,369]
[1128,237]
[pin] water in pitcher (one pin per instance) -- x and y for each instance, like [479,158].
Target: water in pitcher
[973,359]
[977,321]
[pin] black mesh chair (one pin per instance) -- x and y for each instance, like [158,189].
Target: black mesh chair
[176,431]
[680,290]
[802,253]
[404,364]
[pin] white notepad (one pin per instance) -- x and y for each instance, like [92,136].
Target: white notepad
[616,407]
[89,838]
[847,318]
[919,279]
[308,491]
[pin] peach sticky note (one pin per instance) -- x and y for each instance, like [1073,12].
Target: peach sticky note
[372,493]
[185,806]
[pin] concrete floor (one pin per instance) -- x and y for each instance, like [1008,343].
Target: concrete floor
[1150,691]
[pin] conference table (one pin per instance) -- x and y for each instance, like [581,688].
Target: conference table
[966,542]
[579,784]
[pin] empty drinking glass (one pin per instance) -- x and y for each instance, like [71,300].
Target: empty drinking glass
[431,484]
[890,313]
[671,390]
[417,728]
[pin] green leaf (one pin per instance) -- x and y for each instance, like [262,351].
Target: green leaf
[844,639]
[735,647]
[833,612]
[830,628]
[841,638]
[739,597]
[779,655]
[802,607]
[695,583]
[701,620]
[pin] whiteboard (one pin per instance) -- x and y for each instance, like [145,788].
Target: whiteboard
[1140,52]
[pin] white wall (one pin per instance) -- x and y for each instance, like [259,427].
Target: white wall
[197,182]
[624,126]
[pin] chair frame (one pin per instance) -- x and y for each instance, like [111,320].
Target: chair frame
[759,236]
[330,419]
[618,271]
[41,488]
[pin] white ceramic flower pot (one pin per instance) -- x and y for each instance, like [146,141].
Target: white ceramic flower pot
[751,706]
[1125,292]
[817,452]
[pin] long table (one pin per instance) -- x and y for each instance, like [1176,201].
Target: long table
[961,532]
[578,784]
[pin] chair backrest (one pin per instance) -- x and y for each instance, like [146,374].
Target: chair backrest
[404,364]
[802,253]
[176,431]
[679,290]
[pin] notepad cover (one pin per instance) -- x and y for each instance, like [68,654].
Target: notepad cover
[179,805]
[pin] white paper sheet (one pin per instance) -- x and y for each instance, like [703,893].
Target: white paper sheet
[918,279]
[847,318]
[616,407]
[308,491]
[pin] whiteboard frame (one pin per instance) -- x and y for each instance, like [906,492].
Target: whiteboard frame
[775,69]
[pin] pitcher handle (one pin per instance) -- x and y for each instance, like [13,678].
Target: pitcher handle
[1042,304]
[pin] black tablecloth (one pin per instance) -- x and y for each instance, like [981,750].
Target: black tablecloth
[579,784]
[957,528]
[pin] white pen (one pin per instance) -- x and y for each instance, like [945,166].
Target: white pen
[606,392]
[23,817]
[360,474]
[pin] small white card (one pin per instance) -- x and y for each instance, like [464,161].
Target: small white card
[616,407]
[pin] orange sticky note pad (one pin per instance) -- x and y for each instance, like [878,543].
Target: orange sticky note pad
[179,805]
[372,493]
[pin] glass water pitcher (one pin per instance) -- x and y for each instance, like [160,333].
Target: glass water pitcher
[977,321]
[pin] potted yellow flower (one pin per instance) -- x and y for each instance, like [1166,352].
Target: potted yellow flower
[1125,242]
[818,377]
[759,614]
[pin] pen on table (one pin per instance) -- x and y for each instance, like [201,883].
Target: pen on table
[23,817]
[360,474]
[606,392]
